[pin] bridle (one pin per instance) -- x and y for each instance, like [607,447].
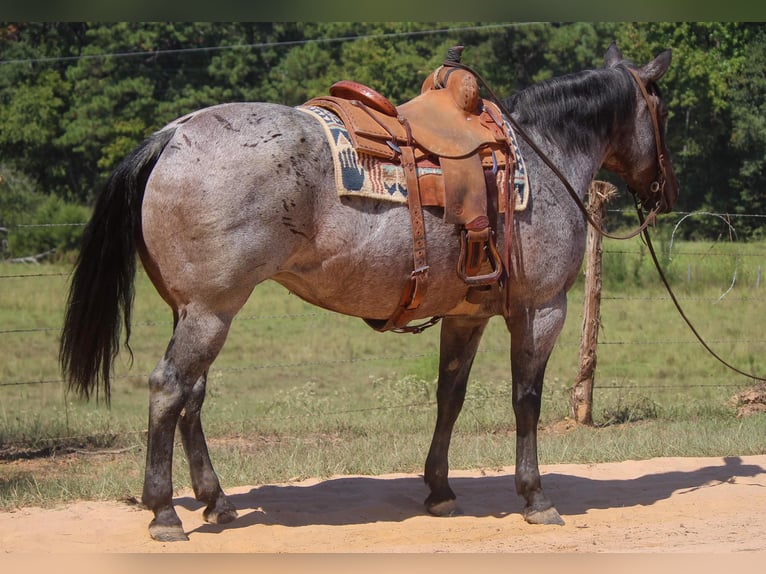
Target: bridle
[658,185]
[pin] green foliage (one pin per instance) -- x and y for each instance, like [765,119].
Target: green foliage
[75,97]
[18,197]
[56,225]
[629,411]
[35,222]
[748,135]
[300,392]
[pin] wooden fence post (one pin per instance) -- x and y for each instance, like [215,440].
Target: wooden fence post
[581,393]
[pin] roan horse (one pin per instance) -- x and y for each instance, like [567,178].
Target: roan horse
[232,195]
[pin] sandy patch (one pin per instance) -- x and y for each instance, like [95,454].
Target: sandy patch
[666,505]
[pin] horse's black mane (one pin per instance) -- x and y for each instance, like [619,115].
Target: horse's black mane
[571,110]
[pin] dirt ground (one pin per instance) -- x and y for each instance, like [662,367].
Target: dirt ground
[667,505]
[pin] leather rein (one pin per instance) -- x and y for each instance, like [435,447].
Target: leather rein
[645,221]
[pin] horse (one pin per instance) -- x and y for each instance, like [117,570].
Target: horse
[232,195]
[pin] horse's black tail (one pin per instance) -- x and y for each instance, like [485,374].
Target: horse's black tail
[101,291]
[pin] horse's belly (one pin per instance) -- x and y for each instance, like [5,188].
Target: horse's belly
[369,284]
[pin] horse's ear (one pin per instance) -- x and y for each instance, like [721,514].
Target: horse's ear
[613,56]
[655,69]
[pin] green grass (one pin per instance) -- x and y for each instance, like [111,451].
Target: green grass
[299,391]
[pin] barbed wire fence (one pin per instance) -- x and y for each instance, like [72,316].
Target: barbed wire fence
[28,269]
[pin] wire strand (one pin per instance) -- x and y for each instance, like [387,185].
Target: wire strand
[262,45]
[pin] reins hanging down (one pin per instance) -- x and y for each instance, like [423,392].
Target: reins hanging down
[666,283]
[645,221]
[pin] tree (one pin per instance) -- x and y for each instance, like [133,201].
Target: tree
[748,136]
[34,94]
[707,57]
[76,97]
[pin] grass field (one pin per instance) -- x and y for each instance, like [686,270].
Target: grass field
[299,391]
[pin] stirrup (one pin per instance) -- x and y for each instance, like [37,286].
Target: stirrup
[476,247]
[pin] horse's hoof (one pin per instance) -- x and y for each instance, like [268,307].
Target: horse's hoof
[222,513]
[167,533]
[444,508]
[548,516]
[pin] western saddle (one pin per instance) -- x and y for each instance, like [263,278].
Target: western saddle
[451,126]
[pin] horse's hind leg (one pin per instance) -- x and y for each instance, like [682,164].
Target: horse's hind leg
[175,384]
[205,483]
[460,339]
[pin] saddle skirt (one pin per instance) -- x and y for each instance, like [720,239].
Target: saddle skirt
[372,171]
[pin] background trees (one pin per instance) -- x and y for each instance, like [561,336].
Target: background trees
[76,97]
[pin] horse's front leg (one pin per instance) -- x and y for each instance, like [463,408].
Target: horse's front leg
[205,482]
[533,335]
[460,339]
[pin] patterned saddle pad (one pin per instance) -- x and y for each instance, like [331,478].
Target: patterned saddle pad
[361,175]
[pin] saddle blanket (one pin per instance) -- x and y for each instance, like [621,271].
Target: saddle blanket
[363,175]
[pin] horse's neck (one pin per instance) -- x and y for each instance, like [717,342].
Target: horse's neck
[570,132]
[578,167]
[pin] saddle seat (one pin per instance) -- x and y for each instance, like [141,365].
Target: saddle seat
[449,125]
[438,126]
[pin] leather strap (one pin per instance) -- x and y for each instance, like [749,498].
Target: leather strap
[419,276]
[416,288]
[510,209]
[658,186]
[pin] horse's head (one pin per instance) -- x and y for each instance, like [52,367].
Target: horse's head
[638,154]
